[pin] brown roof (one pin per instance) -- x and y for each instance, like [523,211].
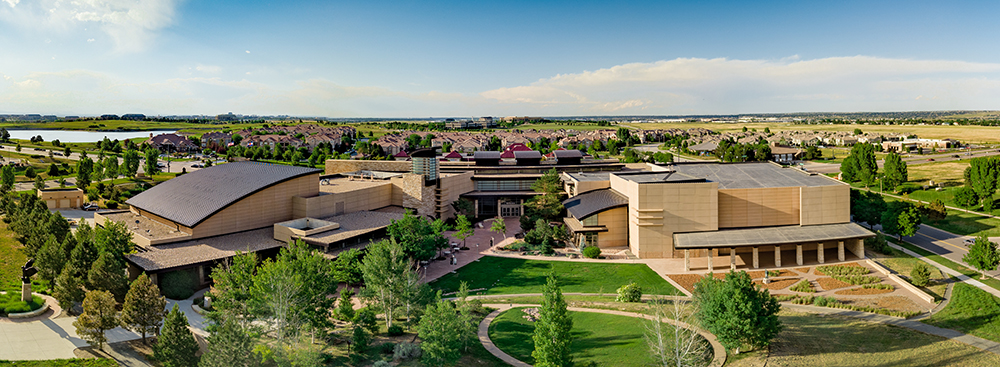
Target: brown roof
[180,254]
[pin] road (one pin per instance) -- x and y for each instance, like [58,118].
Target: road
[946,244]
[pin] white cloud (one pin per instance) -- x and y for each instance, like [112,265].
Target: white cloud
[208,68]
[132,24]
[89,40]
[733,86]
[248,51]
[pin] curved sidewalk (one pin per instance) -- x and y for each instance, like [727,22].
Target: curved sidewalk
[484,332]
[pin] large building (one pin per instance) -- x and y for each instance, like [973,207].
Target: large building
[711,209]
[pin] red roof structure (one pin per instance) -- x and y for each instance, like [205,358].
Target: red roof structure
[401,154]
[454,155]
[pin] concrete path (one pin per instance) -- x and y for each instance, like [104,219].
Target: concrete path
[479,246]
[718,350]
[980,343]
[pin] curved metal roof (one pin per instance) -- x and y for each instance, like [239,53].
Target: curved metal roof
[592,202]
[191,198]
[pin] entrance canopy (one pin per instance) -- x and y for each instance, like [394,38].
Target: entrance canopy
[770,236]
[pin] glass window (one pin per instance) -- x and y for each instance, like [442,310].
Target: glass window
[590,238]
[591,221]
[516,185]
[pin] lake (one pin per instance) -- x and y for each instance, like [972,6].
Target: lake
[70,136]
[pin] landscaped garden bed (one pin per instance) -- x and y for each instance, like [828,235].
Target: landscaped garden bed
[11,303]
[829,284]
[777,284]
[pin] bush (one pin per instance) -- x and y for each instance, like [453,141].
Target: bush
[406,351]
[179,284]
[381,363]
[592,252]
[920,275]
[629,293]
[858,279]
[111,204]
[387,348]
[395,330]
[803,286]
[841,270]
[823,301]
[516,246]
[878,286]
[30,172]
[878,244]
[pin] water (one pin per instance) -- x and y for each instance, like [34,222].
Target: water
[69,136]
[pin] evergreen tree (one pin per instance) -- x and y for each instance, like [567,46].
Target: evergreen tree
[68,288]
[230,346]
[84,254]
[39,183]
[176,346]
[345,308]
[84,172]
[50,260]
[347,267]
[983,255]
[552,329]
[439,331]
[737,311]
[7,178]
[108,274]
[895,171]
[98,316]
[144,307]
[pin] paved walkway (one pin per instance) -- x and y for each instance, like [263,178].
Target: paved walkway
[983,344]
[484,332]
[479,246]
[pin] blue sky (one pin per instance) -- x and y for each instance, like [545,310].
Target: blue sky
[452,58]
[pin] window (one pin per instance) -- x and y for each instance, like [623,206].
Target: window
[590,238]
[591,221]
[516,185]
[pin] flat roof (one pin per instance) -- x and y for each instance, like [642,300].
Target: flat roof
[592,202]
[181,254]
[589,176]
[347,184]
[753,175]
[770,236]
[355,224]
[659,176]
[191,198]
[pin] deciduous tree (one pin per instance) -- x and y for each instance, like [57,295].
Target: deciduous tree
[463,228]
[441,342]
[983,255]
[983,176]
[152,156]
[98,316]
[130,163]
[68,288]
[385,269]
[737,311]
[347,267]
[234,289]
[672,344]
[895,171]
[498,226]
[84,172]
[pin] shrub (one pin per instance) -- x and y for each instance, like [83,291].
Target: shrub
[179,284]
[381,363]
[111,204]
[592,252]
[30,172]
[823,301]
[629,293]
[920,275]
[406,351]
[386,348]
[841,270]
[858,279]
[878,244]
[516,246]
[395,330]
[11,303]
[803,286]
[878,286]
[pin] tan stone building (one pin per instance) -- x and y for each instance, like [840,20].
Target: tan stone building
[62,198]
[711,209]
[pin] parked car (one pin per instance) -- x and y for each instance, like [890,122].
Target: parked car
[969,241]
[90,207]
[930,159]
[956,156]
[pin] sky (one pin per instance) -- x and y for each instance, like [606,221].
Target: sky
[425,59]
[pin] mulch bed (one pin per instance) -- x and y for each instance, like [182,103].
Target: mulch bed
[803,270]
[759,274]
[777,284]
[862,291]
[895,303]
[829,284]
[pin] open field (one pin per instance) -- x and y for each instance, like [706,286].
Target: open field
[948,172]
[501,275]
[11,258]
[816,340]
[582,126]
[607,340]
[120,124]
[972,311]
[975,134]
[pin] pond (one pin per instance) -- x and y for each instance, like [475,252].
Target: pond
[71,136]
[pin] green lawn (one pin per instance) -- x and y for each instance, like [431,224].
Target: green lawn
[816,340]
[971,311]
[11,258]
[971,273]
[903,264]
[967,224]
[501,275]
[607,340]
[76,362]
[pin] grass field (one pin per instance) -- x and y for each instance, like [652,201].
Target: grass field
[501,275]
[11,258]
[62,363]
[607,340]
[971,311]
[815,340]
[995,284]
[582,126]
[109,125]
[903,264]
[949,173]
[973,134]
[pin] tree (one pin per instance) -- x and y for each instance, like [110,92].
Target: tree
[347,267]
[552,329]
[737,311]
[499,226]
[130,163]
[234,289]
[966,197]
[67,151]
[937,210]
[84,170]
[7,178]
[895,171]
[345,308]
[144,307]
[441,344]
[384,270]
[983,174]
[50,259]
[39,183]
[857,131]
[277,288]
[53,170]
[30,172]
[176,346]
[152,156]
[98,316]
[920,274]
[108,274]
[463,229]
[983,255]
[672,344]
[68,288]
[237,138]
[900,218]
[115,238]
[864,162]
[464,206]
[314,271]
[111,169]
[867,207]
[419,238]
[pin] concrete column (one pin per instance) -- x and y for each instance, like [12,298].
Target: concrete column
[777,256]
[798,254]
[732,258]
[756,261]
[25,292]
[819,253]
[840,250]
[710,269]
[201,274]
[858,248]
[687,260]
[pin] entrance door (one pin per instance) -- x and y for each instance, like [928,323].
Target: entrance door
[510,208]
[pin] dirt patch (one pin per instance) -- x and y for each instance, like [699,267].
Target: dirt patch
[895,303]
[686,281]
[829,284]
[803,270]
[777,284]
[862,291]
[759,274]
